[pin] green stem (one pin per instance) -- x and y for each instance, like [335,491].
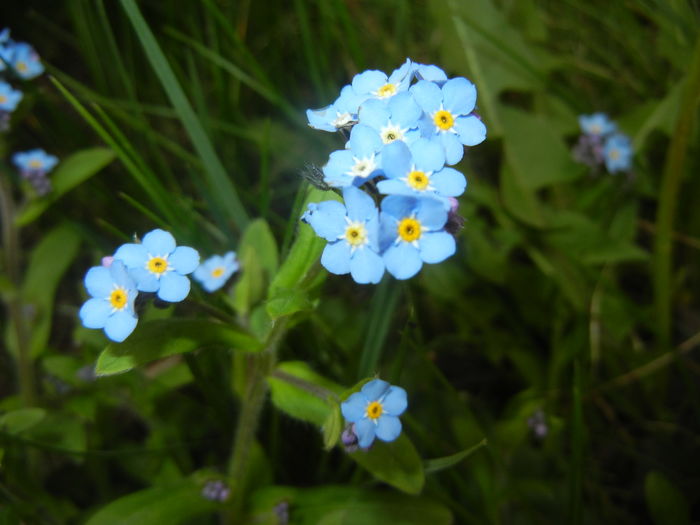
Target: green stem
[10,241]
[670,185]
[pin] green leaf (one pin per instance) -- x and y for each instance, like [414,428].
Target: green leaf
[302,393]
[332,428]
[157,339]
[396,463]
[71,172]
[168,504]
[259,236]
[288,302]
[666,503]
[438,464]
[257,252]
[19,420]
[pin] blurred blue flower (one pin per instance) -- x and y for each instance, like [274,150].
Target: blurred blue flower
[376,84]
[36,160]
[617,152]
[374,410]
[216,270]
[9,98]
[23,59]
[158,265]
[342,113]
[396,120]
[352,232]
[358,163]
[597,124]
[412,232]
[449,115]
[112,304]
[419,170]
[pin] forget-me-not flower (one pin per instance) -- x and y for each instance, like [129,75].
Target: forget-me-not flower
[358,163]
[376,84]
[111,307]
[352,232]
[396,120]
[158,265]
[597,124]
[342,113]
[375,411]
[412,232]
[9,98]
[449,115]
[213,273]
[23,59]
[36,160]
[617,152]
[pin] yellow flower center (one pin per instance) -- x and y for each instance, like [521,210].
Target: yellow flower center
[409,229]
[443,120]
[356,234]
[418,180]
[595,129]
[218,272]
[614,154]
[35,164]
[374,410]
[3,99]
[157,265]
[118,298]
[386,91]
[21,66]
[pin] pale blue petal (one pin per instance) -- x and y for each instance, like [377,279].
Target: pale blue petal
[339,162]
[202,272]
[145,280]
[374,113]
[98,281]
[364,141]
[396,159]
[402,73]
[396,187]
[327,218]
[431,213]
[471,130]
[454,149]
[398,206]
[321,118]
[427,95]
[173,287]
[368,81]
[459,96]
[360,206]
[336,257]
[132,255]
[449,182]
[184,259]
[349,101]
[365,430]
[404,110]
[395,401]
[158,242]
[430,73]
[94,313]
[435,247]
[366,266]
[428,155]
[388,231]
[120,276]
[120,325]
[402,260]
[372,226]
[354,407]
[374,389]
[388,428]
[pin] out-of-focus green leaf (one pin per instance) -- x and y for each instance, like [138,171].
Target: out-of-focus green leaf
[164,337]
[665,502]
[171,504]
[288,302]
[19,420]
[438,464]
[332,428]
[396,463]
[70,173]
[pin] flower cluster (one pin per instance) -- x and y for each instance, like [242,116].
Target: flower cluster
[156,265]
[405,129]
[33,165]
[601,144]
[373,412]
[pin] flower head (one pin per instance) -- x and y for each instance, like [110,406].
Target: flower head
[23,59]
[376,84]
[342,113]
[396,120]
[9,98]
[352,232]
[216,270]
[112,304]
[617,152]
[375,411]
[158,265]
[597,124]
[36,160]
[358,163]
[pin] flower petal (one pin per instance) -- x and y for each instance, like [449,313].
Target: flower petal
[173,287]
[402,260]
[353,408]
[428,155]
[364,141]
[360,206]
[94,313]
[395,401]
[145,280]
[471,130]
[396,159]
[375,389]
[327,218]
[336,257]
[404,110]
[431,213]
[366,266]
[365,430]
[368,81]
[120,325]
[184,259]
[98,281]
[427,95]
[398,206]
[435,247]
[158,242]
[449,182]
[132,255]
[374,113]
[459,96]
[388,428]
[454,149]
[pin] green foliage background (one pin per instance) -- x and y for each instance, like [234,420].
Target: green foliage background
[571,293]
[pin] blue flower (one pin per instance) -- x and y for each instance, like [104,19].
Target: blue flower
[342,113]
[396,120]
[449,115]
[375,84]
[34,161]
[374,410]
[352,232]
[356,164]
[412,232]
[112,304]
[419,170]
[618,153]
[597,124]
[9,98]
[157,265]
[23,59]
[215,271]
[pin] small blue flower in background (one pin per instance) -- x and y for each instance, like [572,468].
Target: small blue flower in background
[9,98]
[213,273]
[419,170]
[342,113]
[449,115]
[597,124]
[158,265]
[374,410]
[412,232]
[618,153]
[358,163]
[34,161]
[352,232]
[112,304]
[23,59]
[396,120]
[376,84]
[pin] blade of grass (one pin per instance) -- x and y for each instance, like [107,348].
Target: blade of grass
[577,441]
